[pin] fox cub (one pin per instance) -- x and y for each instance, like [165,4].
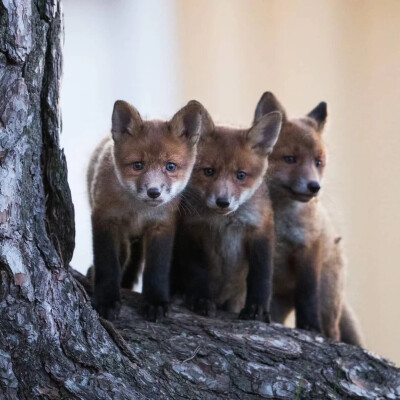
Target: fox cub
[225,240]
[134,180]
[308,262]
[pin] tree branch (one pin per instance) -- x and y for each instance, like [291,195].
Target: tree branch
[189,356]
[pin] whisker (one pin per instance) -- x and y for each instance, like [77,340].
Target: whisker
[187,207]
[186,204]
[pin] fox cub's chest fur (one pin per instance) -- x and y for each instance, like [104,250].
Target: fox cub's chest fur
[225,237]
[296,229]
[287,227]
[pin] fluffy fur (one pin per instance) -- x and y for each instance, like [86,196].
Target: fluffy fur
[309,264]
[225,238]
[134,179]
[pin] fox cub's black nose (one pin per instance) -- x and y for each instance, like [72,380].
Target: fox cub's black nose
[153,193]
[314,187]
[222,202]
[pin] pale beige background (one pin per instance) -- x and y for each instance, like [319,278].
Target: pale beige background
[158,54]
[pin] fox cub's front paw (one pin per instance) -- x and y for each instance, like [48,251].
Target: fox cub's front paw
[309,325]
[202,306]
[107,309]
[255,311]
[155,312]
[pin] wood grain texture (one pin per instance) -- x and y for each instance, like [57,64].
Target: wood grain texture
[193,357]
[52,343]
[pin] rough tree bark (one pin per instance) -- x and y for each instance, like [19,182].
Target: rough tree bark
[52,343]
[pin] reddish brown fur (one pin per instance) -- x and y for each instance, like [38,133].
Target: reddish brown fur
[155,145]
[122,208]
[305,238]
[225,236]
[228,151]
[302,139]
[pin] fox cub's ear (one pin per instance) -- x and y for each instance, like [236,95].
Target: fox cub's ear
[125,120]
[319,114]
[264,134]
[190,122]
[268,103]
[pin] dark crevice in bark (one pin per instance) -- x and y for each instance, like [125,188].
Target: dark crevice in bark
[118,340]
[59,208]
[4,33]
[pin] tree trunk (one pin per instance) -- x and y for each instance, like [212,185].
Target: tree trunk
[52,343]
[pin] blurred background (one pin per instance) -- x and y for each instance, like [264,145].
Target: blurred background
[158,54]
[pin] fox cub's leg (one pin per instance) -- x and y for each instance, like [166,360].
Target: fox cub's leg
[193,261]
[307,265]
[198,293]
[331,295]
[107,276]
[131,271]
[259,279]
[159,244]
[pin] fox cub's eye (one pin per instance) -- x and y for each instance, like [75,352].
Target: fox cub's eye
[318,163]
[170,167]
[290,159]
[137,165]
[241,175]
[209,171]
